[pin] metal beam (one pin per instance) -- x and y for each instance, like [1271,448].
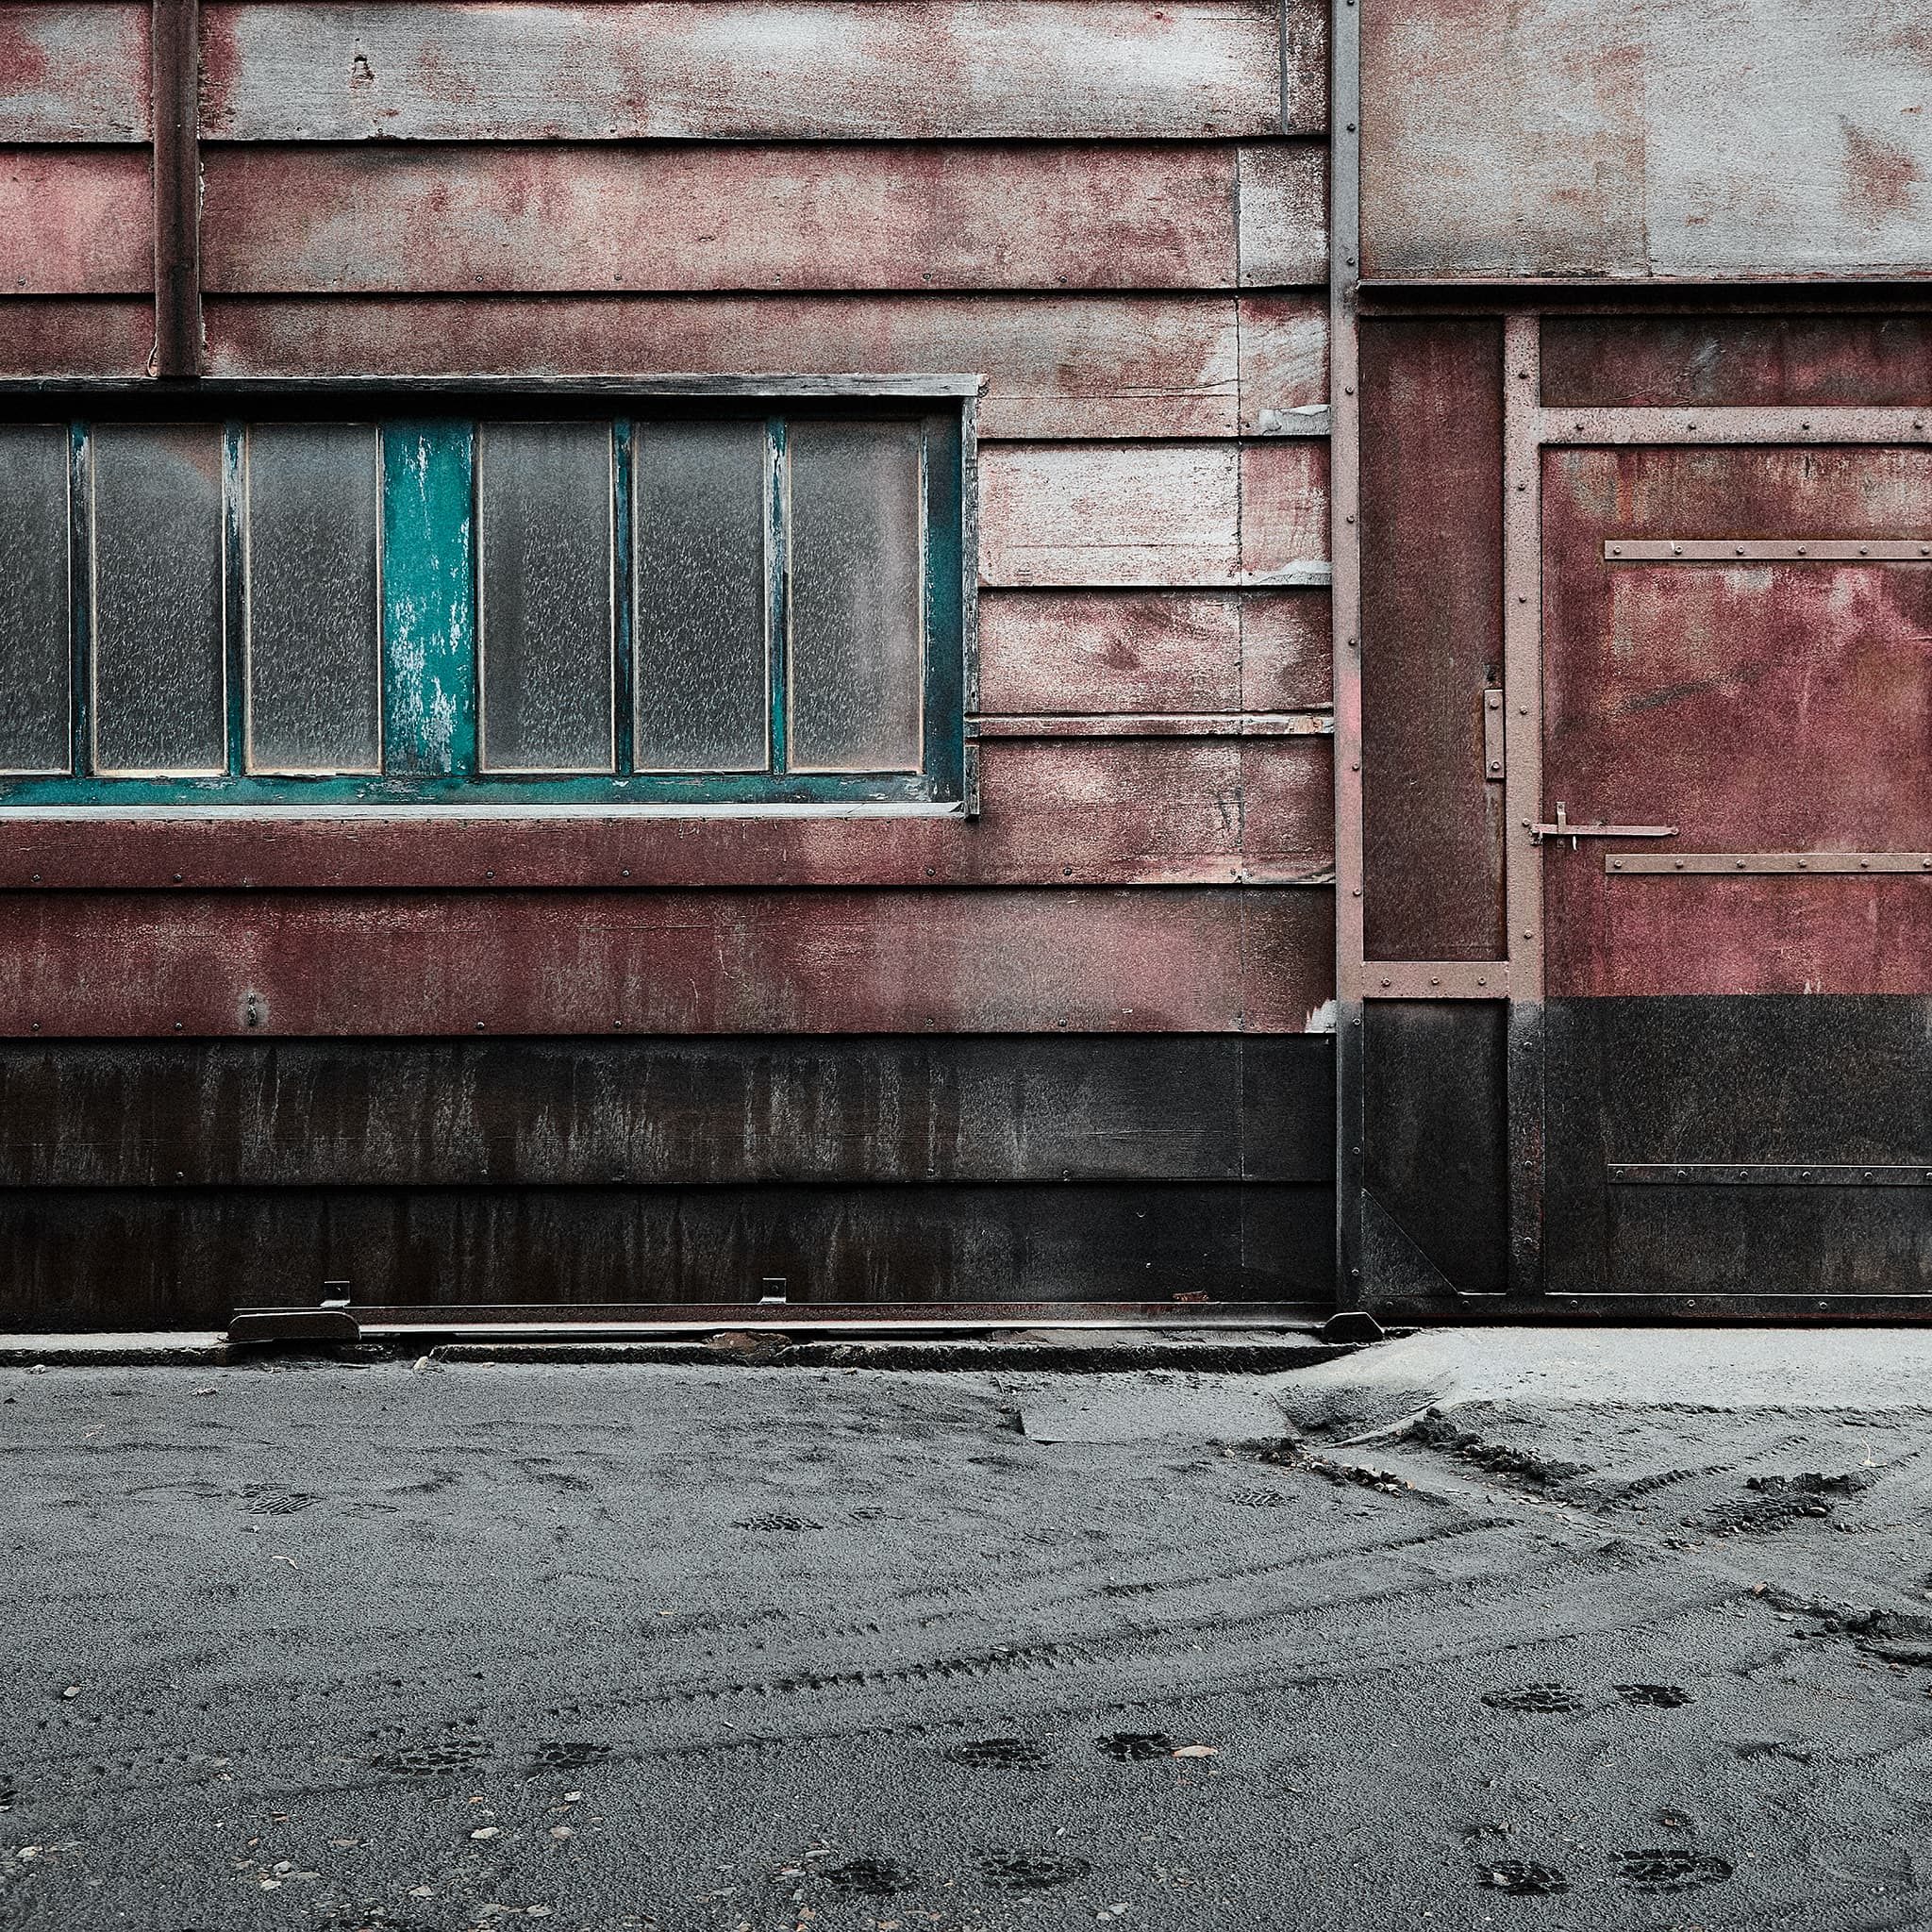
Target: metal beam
[1522,682]
[1344,457]
[176,55]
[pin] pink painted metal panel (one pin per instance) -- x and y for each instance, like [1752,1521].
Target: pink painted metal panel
[1056,365]
[760,70]
[120,964]
[1287,651]
[76,221]
[1284,214]
[1284,504]
[1154,515]
[1284,357]
[581,217]
[1768,706]
[1109,651]
[74,73]
[64,336]
[1747,139]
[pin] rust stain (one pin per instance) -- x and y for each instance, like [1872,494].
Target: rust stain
[1882,177]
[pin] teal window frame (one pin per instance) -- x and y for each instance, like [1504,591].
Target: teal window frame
[430,659]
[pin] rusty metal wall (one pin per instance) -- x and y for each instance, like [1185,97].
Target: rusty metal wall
[1114,210]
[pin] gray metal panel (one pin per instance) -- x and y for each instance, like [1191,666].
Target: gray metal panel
[314,601]
[159,676]
[703,622]
[546,596]
[856,634]
[1683,139]
[36,658]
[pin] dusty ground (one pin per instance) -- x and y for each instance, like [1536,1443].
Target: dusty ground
[1469,1631]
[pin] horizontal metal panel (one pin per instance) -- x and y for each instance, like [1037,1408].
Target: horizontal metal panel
[1084,366]
[63,335]
[1667,865]
[660,1113]
[208,965]
[772,70]
[77,221]
[1111,811]
[1170,515]
[1759,140]
[74,73]
[383,219]
[147,1260]
[1436,979]
[1767,550]
[1123,651]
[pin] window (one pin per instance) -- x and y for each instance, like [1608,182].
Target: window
[572,600]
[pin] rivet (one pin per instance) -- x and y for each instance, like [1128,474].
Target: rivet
[480,1026]
[1388,982]
[1348,519]
[37,878]
[1434,982]
[35,1027]
[1355,766]
[178,1026]
[1350,127]
[490,873]
[1482,982]
[1863,551]
[1616,865]
[1801,550]
[1347,390]
[177,878]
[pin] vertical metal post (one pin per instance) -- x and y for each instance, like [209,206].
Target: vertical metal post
[176,48]
[1522,697]
[1344,277]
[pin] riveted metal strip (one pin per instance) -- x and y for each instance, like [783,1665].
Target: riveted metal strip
[1734,550]
[1780,864]
[1765,1174]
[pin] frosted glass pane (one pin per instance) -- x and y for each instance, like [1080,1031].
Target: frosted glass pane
[544,509]
[35,653]
[159,688]
[701,602]
[314,674]
[857,569]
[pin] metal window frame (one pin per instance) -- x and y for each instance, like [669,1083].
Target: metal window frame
[945,782]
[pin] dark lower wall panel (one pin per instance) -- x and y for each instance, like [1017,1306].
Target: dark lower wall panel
[1435,1152]
[1746,1083]
[185,1258]
[666,1111]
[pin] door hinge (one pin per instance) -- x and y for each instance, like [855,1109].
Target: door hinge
[1563,828]
[1493,735]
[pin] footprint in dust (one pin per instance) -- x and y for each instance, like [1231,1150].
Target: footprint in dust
[1535,1697]
[568,1753]
[1659,1696]
[1669,1868]
[1258,1499]
[1032,1871]
[1136,1747]
[767,1524]
[998,1750]
[870,1877]
[1523,1878]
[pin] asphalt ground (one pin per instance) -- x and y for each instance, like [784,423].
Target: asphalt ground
[1471,1631]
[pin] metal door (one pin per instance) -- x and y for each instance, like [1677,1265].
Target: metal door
[1738,674]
